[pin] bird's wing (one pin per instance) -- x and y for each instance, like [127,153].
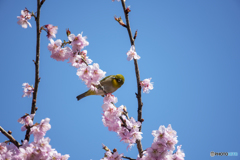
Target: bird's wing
[106,78]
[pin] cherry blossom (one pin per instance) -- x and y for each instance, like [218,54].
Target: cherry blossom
[23,18]
[58,53]
[62,54]
[51,30]
[110,98]
[40,130]
[146,85]
[27,90]
[132,54]
[78,42]
[26,120]
[179,155]
[54,46]
[84,72]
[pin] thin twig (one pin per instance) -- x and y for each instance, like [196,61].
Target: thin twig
[37,79]
[42,2]
[139,97]
[10,137]
[84,60]
[102,88]
[65,43]
[124,123]
[125,113]
[135,35]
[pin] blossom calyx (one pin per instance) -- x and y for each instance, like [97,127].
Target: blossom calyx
[68,32]
[127,10]
[105,147]
[120,21]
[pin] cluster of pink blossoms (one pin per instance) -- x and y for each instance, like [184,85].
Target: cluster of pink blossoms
[24,17]
[38,149]
[146,85]
[163,146]
[77,42]
[129,132]
[27,90]
[58,53]
[90,74]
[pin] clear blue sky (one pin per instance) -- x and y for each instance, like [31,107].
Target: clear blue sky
[191,49]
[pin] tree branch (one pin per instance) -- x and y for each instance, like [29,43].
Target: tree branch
[42,2]
[37,79]
[139,97]
[10,137]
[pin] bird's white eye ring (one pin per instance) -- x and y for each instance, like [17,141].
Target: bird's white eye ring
[119,80]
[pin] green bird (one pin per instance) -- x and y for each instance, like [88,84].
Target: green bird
[110,84]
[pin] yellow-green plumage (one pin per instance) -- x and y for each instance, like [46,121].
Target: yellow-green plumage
[110,84]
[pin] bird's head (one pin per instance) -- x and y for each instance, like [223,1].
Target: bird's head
[119,80]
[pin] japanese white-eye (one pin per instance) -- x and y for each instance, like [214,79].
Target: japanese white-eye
[110,84]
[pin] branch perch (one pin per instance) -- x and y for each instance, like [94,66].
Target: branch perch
[37,79]
[10,137]
[128,158]
[139,97]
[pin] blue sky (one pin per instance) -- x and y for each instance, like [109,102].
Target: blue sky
[190,49]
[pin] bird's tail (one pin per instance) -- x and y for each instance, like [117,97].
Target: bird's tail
[88,93]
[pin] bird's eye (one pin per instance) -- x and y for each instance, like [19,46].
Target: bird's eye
[119,80]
